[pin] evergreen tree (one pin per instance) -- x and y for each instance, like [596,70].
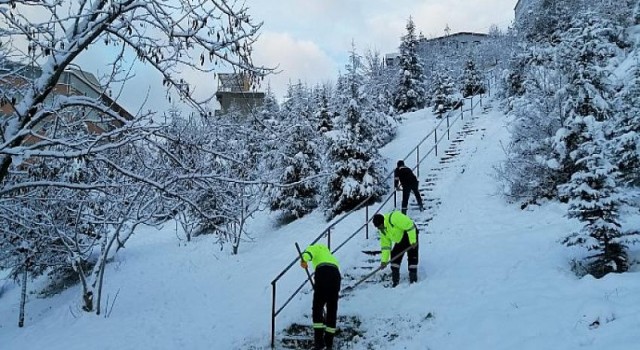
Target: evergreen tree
[379,83]
[557,84]
[544,19]
[410,92]
[323,115]
[299,195]
[355,165]
[472,80]
[297,157]
[356,174]
[626,130]
[443,90]
[355,106]
[584,52]
[536,118]
[595,200]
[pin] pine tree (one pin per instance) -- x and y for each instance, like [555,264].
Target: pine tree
[536,118]
[379,83]
[356,174]
[355,165]
[471,80]
[356,106]
[298,157]
[545,18]
[301,161]
[323,115]
[626,130]
[410,93]
[595,201]
[583,54]
[443,90]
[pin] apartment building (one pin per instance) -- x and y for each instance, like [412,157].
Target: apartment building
[72,82]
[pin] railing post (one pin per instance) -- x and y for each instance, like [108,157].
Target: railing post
[435,135]
[418,161]
[329,238]
[395,198]
[448,135]
[366,229]
[472,105]
[481,100]
[273,314]
[462,111]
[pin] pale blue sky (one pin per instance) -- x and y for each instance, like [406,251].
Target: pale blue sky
[309,40]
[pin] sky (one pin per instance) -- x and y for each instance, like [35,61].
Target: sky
[491,276]
[309,40]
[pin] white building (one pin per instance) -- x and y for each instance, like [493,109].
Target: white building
[451,42]
[455,40]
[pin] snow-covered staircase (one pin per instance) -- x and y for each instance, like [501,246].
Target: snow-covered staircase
[449,159]
[299,335]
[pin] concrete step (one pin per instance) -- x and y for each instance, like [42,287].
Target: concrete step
[300,336]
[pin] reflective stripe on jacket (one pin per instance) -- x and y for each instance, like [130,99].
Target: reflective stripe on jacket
[395,225]
[319,254]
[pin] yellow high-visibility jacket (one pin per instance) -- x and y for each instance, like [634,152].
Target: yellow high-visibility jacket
[319,254]
[395,225]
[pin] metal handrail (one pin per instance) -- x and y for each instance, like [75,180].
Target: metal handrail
[327,230]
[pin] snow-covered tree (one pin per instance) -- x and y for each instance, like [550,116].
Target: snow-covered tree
[323,115]
[354,162]
[115,155]
[356,106]
[626,131]
[356,174]
[379,82]
[545,18]
[583,54]
[299,157]
[558,84]
[594,199]
[536,117]
[442,95]
[471,80]
[410,93]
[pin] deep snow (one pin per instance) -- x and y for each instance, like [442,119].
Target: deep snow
[492,276]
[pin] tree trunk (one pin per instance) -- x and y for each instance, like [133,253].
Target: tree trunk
[87,294]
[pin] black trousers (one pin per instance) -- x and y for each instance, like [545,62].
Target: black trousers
[406,192]
[412,254]
[327,290]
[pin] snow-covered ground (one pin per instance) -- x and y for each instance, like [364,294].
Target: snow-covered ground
[492,276]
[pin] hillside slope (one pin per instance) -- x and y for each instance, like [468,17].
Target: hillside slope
[492,276]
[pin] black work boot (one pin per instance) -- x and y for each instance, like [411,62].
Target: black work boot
[395,276]
[413,276]
[318,338]
[328,340]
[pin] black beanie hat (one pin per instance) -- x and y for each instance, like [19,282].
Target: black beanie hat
[378,220]
[400,163]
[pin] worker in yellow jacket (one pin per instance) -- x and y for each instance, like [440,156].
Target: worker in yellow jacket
[326,293]
[398,229]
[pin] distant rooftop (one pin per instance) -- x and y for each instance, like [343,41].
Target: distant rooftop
[454,36]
